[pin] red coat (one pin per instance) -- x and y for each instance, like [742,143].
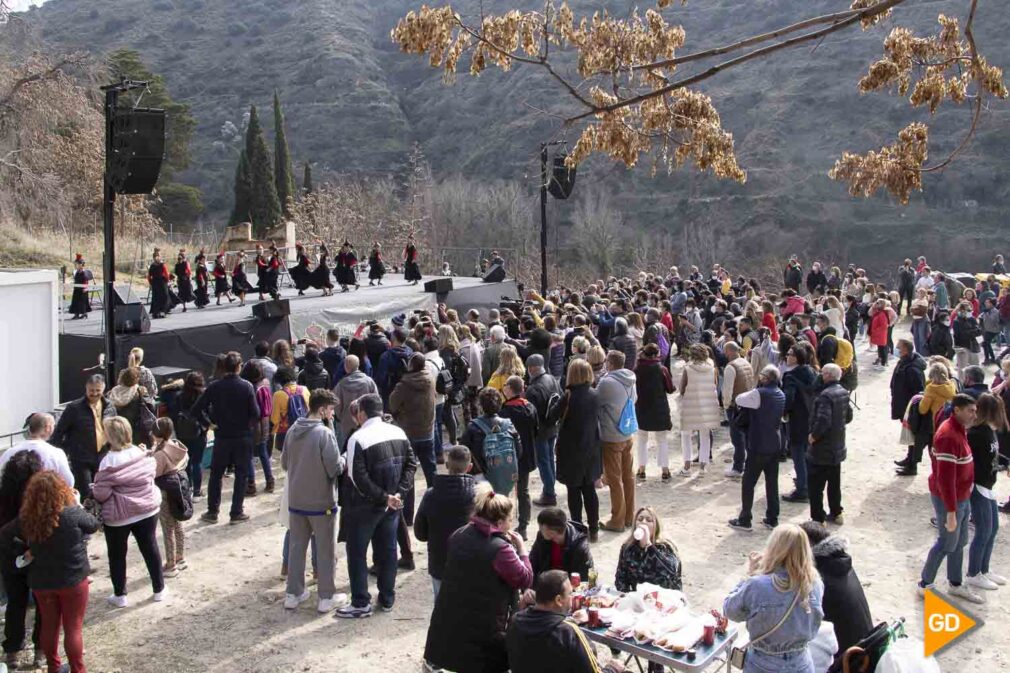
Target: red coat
[768,320]
[953,474]
[878,328]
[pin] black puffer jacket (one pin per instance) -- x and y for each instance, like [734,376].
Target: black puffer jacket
[541,640]
[624,342]
[798,385]
[576,556]
[445,508]
[844,602]
[314,375]
[578,447]
[652,407]
[831,412]
[539,393]
[376,344]
[908,379]
[524,419]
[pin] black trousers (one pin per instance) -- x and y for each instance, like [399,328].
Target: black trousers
[116,540]
[756,465]
[84,474]
[227,452]
[905,297]
[584,494]
[817,477]
[16,584]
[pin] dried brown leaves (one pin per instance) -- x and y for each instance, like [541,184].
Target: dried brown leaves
[869,21]
[895,168]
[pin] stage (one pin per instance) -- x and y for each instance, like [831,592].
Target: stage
[191,340]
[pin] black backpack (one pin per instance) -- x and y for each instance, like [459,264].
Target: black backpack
[187,428]
[444,384]
[459,370]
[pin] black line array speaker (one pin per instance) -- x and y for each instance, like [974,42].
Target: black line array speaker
[439,285]
[275,308]
[562,181]
[495,274]
[132,319]
[124,295]
[138,147]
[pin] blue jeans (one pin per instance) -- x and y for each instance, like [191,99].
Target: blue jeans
[799,453]
[376,525]
[545,463]
[196,448]
[263,453]
[424,449]
[285,554]
[439,408]
[738,436]
[436,586]
[986,515]
[948,546]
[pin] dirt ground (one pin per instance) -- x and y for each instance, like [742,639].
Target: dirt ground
[224,613]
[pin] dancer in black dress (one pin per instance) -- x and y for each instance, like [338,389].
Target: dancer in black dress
[273,271]
[300,271]
[184,280]
[158,277]
[239,281]
[262,269]
[376,269]
[347,267]
[221,286]
[320,277]
[411,269]
[80,305]
[202,280]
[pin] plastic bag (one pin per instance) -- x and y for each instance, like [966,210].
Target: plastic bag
[905,655]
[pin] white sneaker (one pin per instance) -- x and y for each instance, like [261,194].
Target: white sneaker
[733,474]
[921,590]
[704,468]
[291,602]
[159,596]
[980,581]
[325,605]
[965,593]
[999,580]
[118,601]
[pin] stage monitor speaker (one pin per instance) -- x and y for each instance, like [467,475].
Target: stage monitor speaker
[138,148]
[495,274]
[439,285]
[563,180]
[132,319]
[275,308]
[124,295]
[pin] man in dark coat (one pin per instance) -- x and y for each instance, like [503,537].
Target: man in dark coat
[445,508]
[844,601]
[544,388]
[524,419]
[908,379]
[560,544]
[831,412]
[579,459]
[80,434]
[542,638]
[793,275]
[798,385]
[624,342]
[906,285]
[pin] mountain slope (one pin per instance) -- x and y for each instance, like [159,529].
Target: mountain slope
[354,104]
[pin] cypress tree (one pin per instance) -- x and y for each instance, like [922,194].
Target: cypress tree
[243,191]
[264,206]
[307,179]
[283,173]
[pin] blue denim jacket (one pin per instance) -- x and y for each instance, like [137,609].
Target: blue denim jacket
[756,601]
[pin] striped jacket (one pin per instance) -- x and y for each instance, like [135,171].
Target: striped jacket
[381,464]
[953,470]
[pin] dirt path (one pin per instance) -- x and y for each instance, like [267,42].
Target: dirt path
[225,612]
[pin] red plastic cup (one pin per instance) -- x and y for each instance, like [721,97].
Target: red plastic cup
[577,601]
[709,635]
[576,580]
[594,618]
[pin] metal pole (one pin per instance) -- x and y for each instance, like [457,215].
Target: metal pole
[109,261]
[543,220]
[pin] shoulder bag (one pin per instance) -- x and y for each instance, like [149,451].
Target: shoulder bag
[739,654]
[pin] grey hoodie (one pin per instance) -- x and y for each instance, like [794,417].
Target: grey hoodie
[613,392]
[313,463]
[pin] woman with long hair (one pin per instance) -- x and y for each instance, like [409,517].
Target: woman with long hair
[191,429]
[509,364]
[652,408]
[448,350]
[124,485]
[781,602]
[597,358]
[55,528]
[647,557]
[487,567]
[282,354]
[171,458]
[578,448]
[129,398]
[990,418]
[16,475]
[346,271]
[699,404]
[144,375]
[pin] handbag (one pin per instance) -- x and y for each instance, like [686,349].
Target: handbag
[739,654]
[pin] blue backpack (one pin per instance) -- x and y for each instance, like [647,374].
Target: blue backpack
[501,467]
[296,406]
[627,424]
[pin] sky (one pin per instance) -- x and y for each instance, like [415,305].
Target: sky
[21,5]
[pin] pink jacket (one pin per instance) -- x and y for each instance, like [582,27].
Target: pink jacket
[127,491]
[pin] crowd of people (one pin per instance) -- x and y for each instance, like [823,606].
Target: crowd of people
[575,386]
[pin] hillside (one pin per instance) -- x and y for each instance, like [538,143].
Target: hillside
[354,104]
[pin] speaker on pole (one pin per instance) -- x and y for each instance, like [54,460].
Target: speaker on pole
[138,147]
[563,178]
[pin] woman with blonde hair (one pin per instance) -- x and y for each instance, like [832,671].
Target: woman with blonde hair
[282,354]
[509,364]
[835,314]
[487,567]
[447,339]
[647,557]
[131,402]
[597,358]
[939,390]
[781,602]
[578,448]
[699,406]
[124,485]
[636,328]
[146,377]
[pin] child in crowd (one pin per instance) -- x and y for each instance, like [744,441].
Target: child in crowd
[171,459]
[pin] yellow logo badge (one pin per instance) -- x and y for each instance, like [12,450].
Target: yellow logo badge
[944,623]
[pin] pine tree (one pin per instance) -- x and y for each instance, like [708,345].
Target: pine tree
[264,206]
[243,191]
[307,179]
[283,173]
